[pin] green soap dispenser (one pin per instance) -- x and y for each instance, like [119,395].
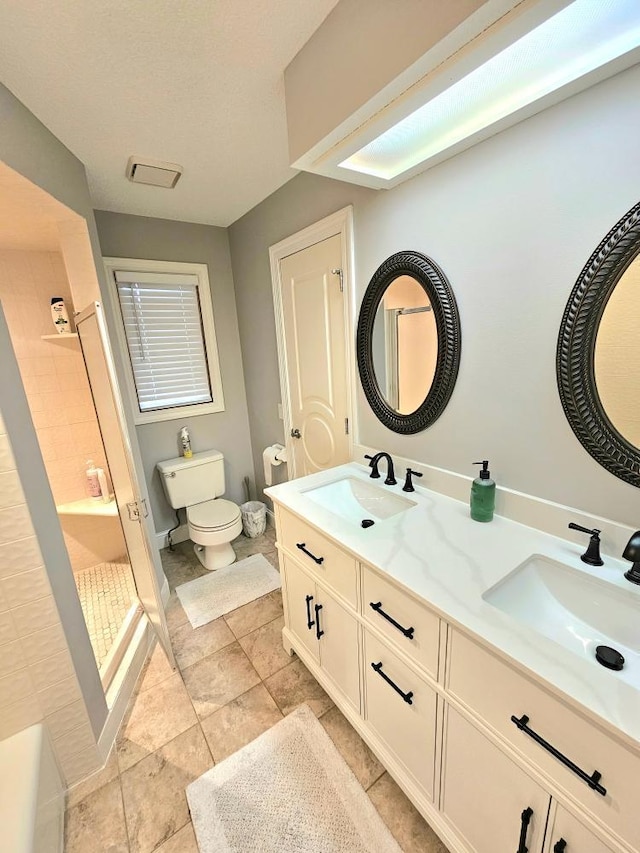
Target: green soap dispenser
[483,494]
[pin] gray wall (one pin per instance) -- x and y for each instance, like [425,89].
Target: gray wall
[304,200]
[126,236]
[30,149]
[511,222]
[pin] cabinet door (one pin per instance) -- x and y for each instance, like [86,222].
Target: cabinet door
[300,591]
[339,656]
[486,796]
[570,836]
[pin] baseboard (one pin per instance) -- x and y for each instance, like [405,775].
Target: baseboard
[180,534]
[271,519]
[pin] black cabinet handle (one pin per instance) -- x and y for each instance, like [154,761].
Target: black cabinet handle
[318,560]
[377,606]
[560,846]
[592,781]
[310,622]
[525,820]
[318,608]
[408,697]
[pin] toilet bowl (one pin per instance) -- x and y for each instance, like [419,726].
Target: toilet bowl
[212,526]
[197,483]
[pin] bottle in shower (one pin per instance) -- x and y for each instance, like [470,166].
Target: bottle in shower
[60,316]
[93,480]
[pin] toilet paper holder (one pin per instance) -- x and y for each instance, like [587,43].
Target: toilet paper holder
[272,456]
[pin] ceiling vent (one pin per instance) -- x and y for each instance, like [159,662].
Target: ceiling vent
[156,173]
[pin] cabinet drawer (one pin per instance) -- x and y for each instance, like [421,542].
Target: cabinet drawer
[336,568]
[496,692]
[408,728]
[406,622]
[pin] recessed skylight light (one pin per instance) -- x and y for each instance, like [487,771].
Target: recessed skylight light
[581,38]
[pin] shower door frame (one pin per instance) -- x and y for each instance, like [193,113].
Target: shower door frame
[105,390]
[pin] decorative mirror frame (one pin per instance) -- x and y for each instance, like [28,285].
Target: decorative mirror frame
[445,309]
[576,348]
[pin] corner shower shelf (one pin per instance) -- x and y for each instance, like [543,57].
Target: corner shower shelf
[64,337]
[89,506]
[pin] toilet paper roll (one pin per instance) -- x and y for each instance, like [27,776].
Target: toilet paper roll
[270,460]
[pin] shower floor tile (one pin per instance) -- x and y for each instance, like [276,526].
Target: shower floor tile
[106,593]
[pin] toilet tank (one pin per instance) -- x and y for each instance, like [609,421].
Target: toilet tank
[192,481]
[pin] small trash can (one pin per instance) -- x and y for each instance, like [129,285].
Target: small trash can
[254,518]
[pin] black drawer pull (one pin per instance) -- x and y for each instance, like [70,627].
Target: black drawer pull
[408,632]
[525,820]
[310,622]
[592,781]
[560,846]
[408,697]
[318,560]
[318,608]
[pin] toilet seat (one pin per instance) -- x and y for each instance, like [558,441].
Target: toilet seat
[217,514]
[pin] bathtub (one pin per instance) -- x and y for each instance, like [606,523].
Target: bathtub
[31,794]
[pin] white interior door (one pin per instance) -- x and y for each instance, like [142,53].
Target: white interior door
[96,350]
[314,338]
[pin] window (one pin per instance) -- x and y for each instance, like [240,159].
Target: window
[167,336]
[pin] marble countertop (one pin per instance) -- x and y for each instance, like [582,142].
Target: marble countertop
[436,551]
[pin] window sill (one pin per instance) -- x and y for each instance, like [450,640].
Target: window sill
[179,413]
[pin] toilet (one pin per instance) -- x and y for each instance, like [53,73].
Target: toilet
[196,483]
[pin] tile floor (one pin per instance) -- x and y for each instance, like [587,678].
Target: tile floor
[106,593]
[234,681]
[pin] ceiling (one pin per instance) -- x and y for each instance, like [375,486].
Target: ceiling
[198,83]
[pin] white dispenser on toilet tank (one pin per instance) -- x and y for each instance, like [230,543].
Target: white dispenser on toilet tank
[213,523]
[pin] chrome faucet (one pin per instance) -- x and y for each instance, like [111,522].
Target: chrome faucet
[373,464]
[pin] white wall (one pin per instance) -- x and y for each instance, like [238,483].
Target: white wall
[511,222]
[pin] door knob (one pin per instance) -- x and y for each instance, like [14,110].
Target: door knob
[295,433]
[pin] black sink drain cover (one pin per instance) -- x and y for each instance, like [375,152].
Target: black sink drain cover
[609,657]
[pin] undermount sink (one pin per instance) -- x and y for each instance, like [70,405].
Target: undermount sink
[574,609]
[354,500]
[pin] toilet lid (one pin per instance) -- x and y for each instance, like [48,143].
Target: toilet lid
[218,513]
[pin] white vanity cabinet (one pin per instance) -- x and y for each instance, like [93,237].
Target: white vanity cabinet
[327,630]
[472,738]
[488,799]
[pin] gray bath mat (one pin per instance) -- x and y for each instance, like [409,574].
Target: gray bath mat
[215,594]
[289,791]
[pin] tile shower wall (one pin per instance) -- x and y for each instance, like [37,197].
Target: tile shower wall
[37,678]
[59,397]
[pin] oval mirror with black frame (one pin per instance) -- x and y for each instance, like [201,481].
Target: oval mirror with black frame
[408,342]
[598,357]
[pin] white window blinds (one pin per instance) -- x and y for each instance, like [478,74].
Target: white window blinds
[163,328]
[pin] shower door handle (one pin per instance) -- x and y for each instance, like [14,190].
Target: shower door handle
[137,510]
